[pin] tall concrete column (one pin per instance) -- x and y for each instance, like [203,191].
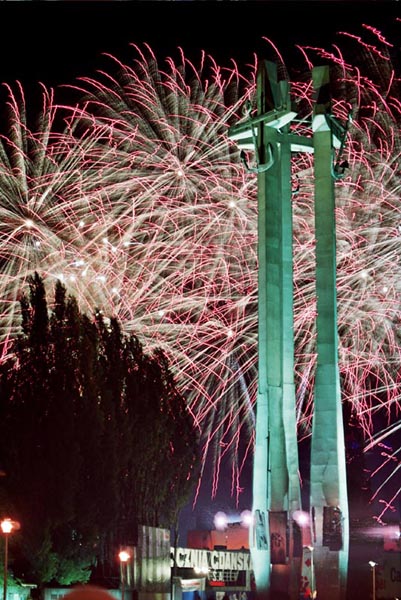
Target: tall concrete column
[328,495]
[276,488]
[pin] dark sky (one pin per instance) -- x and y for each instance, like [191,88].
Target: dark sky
[55,42]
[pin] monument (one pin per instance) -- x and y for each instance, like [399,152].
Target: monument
[279,547]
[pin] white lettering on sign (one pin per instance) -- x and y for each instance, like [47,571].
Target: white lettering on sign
[190,558]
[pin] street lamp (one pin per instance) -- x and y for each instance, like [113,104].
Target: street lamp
[124,557]
[220,521]
[6,527]
[373,564]
[246,518]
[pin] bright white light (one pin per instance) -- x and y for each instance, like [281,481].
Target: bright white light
[6,525]
[124,556]
[301,518]
[220,520]
[246,518]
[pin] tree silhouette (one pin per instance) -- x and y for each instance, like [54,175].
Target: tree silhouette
[95,439]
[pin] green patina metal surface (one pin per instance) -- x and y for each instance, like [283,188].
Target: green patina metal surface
[328,470]
[276,487]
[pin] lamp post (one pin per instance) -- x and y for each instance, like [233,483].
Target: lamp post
[6,527]
[124,557]
[373,564]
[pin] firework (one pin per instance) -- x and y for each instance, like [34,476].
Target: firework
[368,252]
[143,208]
[143,212]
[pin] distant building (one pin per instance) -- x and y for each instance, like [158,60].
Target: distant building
[234,537]
[211,574]
[215,564]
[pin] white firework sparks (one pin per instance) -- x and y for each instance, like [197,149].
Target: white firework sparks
[143,208]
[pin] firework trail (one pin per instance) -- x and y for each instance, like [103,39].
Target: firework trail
[143,208]
[368,250]
[38,228]
[143,212]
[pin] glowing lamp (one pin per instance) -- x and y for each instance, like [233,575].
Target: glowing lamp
[124,556]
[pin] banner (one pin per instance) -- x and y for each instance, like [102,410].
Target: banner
[278,538]
[307,587]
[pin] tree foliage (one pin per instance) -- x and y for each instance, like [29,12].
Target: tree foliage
[95,439]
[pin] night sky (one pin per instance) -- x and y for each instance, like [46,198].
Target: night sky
[55,42]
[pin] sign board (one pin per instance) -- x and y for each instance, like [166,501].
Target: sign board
[388,577]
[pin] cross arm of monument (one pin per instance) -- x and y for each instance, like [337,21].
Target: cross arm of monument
[245,134]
